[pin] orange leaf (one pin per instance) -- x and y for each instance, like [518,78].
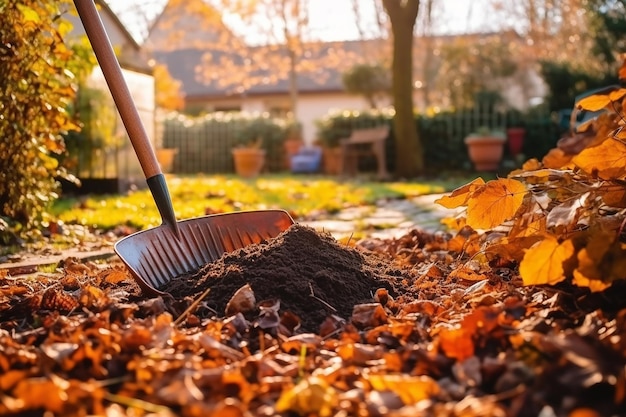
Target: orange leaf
[460,196]
[544,262]
[456,343]
[497,201]
[513,248]
[607,160]
[42,393]
[614,195]
[556,159]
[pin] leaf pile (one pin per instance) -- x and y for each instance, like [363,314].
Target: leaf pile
[564,218]
[447,336]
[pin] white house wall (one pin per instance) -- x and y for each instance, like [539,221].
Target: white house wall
[315,107]
[141,87]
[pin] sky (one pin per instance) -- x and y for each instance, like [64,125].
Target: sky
[333,19]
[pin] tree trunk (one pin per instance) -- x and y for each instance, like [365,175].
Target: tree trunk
[409,151]
[293,85]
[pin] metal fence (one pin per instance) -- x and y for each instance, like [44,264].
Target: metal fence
[206,147]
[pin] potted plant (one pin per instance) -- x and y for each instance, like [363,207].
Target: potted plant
[165,157]
[249,159]
[332,160]
[485,148]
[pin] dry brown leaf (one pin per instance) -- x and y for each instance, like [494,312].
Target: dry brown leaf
[368,315]
[242,301]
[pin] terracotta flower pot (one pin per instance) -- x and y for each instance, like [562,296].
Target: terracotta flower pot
[332,160]
[165,157]
[248,161]
[291,146]
[485,151]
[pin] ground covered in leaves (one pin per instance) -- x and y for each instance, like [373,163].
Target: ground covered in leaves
[303,325]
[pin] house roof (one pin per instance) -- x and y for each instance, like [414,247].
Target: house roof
[118,23]
[185,65]
[132,56]
[186,24]
[187,33]
[189,37]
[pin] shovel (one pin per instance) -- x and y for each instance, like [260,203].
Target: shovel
[157,256]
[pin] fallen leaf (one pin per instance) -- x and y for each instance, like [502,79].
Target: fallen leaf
[544,262]
[456,343]
[368,315]
[410,389]
[242,301]
[312,395]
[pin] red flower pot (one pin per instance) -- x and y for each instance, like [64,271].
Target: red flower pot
[515,136]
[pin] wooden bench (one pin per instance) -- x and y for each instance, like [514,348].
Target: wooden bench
[370,141]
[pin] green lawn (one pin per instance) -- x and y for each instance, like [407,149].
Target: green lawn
[199,195]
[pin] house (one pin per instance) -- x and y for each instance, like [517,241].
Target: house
[114,166]
[181,36]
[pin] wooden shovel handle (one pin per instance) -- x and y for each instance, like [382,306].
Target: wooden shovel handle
[117,85]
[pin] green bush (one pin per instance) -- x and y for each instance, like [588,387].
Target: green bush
[36,90]
[442,134]
[204,143]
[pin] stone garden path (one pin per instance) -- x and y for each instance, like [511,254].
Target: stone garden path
[388,219]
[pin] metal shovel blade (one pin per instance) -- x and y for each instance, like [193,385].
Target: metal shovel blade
[157,256]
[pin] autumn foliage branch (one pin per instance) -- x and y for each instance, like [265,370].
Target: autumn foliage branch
[561,218]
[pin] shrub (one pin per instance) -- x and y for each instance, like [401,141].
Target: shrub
[204,143]
[442,134]
[33,62]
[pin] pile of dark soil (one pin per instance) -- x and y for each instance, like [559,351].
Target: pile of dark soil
[309,272]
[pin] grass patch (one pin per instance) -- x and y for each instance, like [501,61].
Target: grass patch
[194,196]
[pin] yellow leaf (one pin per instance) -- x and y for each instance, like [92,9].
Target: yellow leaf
[497,201]
[30,15]
[607,160]
[599,101]
[311,396]
[617,94]
[410,389]
[594,285]
[603,259]
[544,262]
[460,196]
[531,165]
